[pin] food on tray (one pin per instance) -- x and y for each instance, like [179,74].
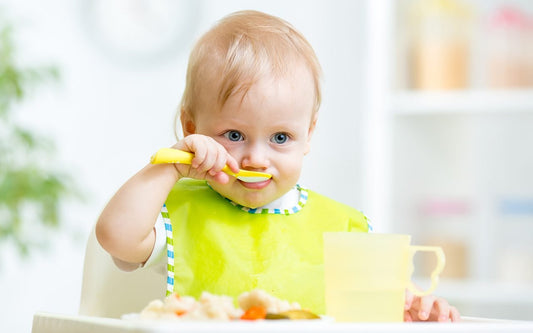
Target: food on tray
[253,305]
[292,315]
[208,306]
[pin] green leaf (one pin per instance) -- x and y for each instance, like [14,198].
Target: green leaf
[31,193]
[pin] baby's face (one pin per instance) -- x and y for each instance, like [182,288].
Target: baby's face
[268,131]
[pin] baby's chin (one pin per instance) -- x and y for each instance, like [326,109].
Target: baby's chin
[250,203]
[246,198]
[251,200]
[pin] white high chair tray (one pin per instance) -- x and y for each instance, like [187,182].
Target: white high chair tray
[57,323]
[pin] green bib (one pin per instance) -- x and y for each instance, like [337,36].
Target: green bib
[219,247]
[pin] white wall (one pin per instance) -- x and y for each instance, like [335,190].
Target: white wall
[108,117]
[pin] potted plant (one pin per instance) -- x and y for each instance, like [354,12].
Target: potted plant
[31,186]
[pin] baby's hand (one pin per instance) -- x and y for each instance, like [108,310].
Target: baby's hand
[428,308]
[210,157]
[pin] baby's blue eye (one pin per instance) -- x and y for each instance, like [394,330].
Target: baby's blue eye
[233,136]
[279,138]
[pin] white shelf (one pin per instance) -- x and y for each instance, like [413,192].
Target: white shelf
[483,292]
[467,101]
[405,108]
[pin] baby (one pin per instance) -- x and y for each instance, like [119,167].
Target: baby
[251,102]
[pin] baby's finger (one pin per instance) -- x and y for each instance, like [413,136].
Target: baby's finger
[454,314]
[221,177]
[197,145]
[409,297]
[232,163]
[442,310]
[407,317]
[208,158]
[426,304]
[220,160]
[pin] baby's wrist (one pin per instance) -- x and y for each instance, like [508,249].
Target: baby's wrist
[178,175]
[167,170]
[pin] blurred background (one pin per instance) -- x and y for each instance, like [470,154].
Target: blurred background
[427,110]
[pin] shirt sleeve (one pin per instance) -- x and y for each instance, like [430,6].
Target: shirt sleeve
[158,256]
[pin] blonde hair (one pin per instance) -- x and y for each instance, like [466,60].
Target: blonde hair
[240,48]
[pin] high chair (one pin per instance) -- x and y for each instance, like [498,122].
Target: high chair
[110,292]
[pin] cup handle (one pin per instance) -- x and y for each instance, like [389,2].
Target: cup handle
[441,260]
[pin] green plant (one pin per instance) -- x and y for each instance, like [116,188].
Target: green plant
[31,188]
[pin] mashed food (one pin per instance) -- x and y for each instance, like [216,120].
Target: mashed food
[255,304]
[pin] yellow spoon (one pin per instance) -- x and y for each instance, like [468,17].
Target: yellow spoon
[171,155]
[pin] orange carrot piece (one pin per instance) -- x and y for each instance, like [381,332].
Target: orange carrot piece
[254,313]
[179,312]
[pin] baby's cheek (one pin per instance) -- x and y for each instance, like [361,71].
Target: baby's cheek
[290,173]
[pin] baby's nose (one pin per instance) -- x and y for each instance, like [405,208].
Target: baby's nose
[255,157]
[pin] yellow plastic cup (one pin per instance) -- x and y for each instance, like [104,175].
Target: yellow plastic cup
[366,275]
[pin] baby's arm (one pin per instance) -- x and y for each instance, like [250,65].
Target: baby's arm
[125,228]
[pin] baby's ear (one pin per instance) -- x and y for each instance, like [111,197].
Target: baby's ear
[312,127]
[187,122]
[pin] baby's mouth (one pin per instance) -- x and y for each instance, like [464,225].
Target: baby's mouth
[256,186]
